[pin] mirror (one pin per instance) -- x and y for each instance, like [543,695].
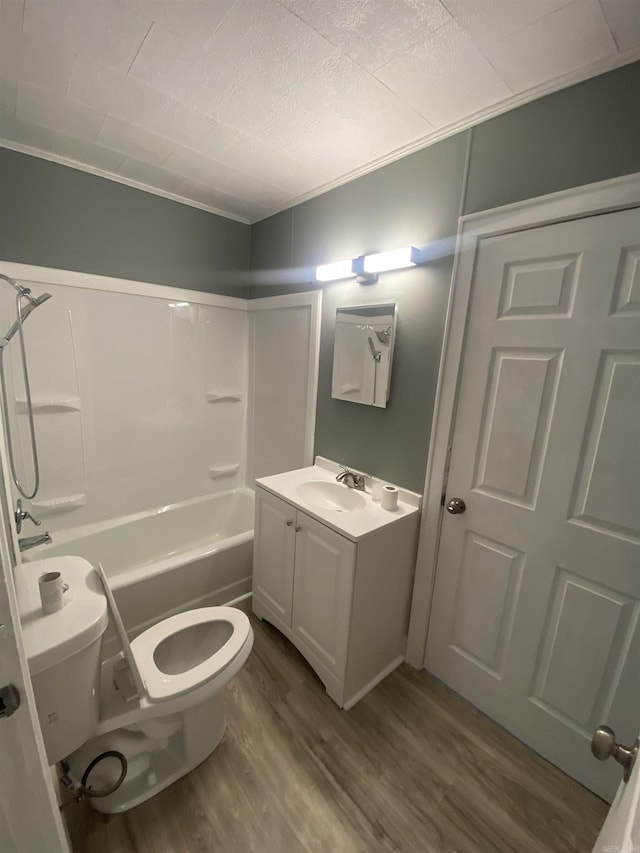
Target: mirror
[362,353]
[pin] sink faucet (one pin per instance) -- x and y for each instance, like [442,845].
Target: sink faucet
[33,541]
[351,479]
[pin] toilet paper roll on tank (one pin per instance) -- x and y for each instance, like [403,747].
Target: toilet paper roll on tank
[51,592]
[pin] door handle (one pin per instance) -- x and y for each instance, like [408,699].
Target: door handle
[603,746]
[456,506]
[9,700]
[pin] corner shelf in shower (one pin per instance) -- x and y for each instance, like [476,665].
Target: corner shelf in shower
[224,396]
[60,504]
[220,471]
[49,404]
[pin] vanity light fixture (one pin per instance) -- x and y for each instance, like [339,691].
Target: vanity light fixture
[366,267]
[362,276]
[396,259]
[334,271]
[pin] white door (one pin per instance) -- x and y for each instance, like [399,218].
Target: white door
[536,600]
[621,830]
[322,592]
[273,554]
[29,817]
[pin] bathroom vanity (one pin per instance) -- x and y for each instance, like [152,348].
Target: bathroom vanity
[333,571]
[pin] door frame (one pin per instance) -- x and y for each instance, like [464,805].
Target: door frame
[575,203]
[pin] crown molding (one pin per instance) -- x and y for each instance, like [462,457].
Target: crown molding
[566,81]
[571,79]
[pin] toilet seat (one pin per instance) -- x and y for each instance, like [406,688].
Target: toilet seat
[149,681]
[161,686]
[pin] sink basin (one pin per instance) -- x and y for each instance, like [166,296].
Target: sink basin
[334,496]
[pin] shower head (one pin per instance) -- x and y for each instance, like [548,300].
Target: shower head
[32,303]
[38,300]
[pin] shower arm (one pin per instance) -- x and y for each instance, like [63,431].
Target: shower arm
[23,291]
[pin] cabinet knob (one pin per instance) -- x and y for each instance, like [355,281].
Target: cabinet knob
[289,522]
[298,528]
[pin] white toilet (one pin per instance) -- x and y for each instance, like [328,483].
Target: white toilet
[158,702]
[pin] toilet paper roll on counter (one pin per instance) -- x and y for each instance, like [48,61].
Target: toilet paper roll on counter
[51,591]
[389,497]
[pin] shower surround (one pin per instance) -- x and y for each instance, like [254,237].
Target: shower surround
[148,419]
[119,386]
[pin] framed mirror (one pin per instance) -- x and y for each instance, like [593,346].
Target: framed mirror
[363,352]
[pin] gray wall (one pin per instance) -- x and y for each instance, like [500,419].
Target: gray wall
[383,210]
[587,133]
[580,135]
[54,216]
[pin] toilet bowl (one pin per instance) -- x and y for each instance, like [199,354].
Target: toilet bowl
[157,702]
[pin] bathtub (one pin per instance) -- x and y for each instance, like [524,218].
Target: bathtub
[194,554]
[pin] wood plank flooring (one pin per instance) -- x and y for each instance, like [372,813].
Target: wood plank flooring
[411,768]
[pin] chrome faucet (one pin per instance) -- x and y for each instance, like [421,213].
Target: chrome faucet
[351,479]
[33,541]
[21,515]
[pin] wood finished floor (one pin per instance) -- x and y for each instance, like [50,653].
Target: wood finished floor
[411,768]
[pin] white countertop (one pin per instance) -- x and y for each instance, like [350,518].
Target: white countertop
[354,524]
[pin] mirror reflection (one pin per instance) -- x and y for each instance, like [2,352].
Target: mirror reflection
[362,353]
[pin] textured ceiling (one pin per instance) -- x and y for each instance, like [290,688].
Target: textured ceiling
[247,106]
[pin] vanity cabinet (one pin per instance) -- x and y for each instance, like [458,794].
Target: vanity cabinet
[344,604]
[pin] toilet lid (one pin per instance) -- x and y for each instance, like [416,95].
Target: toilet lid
[163,684]
[121,632]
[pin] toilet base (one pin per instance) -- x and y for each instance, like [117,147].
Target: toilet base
[156,757]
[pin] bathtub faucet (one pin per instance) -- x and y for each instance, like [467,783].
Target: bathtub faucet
[21,515]
[33,541]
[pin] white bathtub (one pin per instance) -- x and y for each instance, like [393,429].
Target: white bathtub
[194,554]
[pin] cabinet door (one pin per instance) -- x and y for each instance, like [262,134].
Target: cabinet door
[273,553]
[323,588]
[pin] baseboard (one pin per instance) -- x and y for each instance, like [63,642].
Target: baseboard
[374,681]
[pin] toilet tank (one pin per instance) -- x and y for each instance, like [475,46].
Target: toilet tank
[63,651]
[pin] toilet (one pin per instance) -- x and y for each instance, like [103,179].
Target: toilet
[158,702]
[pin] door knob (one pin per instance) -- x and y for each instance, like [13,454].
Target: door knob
[603,746]
[456,506]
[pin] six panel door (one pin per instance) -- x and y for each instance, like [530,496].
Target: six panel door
[535,616]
